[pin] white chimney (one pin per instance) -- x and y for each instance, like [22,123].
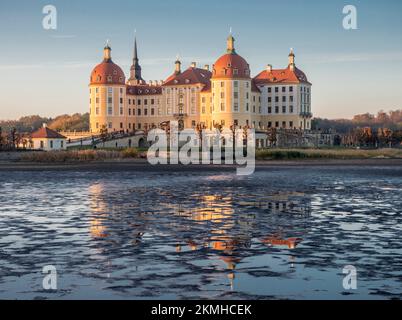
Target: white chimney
[45,125]
[193,64]
[151,82]
[269,67]
[206,67]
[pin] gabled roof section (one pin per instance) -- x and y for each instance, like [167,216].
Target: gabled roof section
[189,76]
[281,76]
[46,133]
[144,90]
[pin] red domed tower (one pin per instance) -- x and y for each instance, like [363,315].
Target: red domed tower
[232,94]
[107,95]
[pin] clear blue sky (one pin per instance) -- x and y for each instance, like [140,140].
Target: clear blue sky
[47,72]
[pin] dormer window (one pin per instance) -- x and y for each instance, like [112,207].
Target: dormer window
[235,71]
[109,78]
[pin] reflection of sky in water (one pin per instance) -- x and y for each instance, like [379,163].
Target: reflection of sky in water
[281,233]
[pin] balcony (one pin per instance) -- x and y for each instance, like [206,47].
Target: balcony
[306,114]
[180,115]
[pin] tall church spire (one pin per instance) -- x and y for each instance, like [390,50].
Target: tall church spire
[135,70]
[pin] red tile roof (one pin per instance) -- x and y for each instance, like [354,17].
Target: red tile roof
[231,65]
[107,72]
[281,76]
[144,90]
[46,133]
[189,76]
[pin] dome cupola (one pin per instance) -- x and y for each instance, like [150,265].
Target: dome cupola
[231,65]
[107,72]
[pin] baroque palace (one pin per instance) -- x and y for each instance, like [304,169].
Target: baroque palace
[224,97]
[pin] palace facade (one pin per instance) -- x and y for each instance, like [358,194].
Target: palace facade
[225,96]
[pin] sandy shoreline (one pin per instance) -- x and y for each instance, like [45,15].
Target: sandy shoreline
[143,165]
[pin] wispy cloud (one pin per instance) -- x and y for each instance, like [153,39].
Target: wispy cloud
[67,65]
[67,36]
[90,64]
[355,57]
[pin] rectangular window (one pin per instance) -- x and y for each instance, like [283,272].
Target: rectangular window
[269,90]
[276,109]
[51,144]
[291,124]
[283,124]
[236,84]
[276,89]
[236,106]
[291,109]
[276,99]
[236,95]
[284,99]
[277,124]
[139,112]
[269,109]
[283,89]
[121,111]
[269,99]
[222,107]
[283,109]
[291,98]
[269,124]
[109,110]
[290,89]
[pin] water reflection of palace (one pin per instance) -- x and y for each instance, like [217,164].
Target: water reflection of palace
[214,226]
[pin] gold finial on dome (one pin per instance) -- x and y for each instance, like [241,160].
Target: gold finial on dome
[230,43]
[107,52]
[291,59]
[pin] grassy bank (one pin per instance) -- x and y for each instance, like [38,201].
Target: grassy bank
[82,155]
[265,154]
[294,154]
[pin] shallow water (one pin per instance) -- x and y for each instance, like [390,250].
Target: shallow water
[206,234]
